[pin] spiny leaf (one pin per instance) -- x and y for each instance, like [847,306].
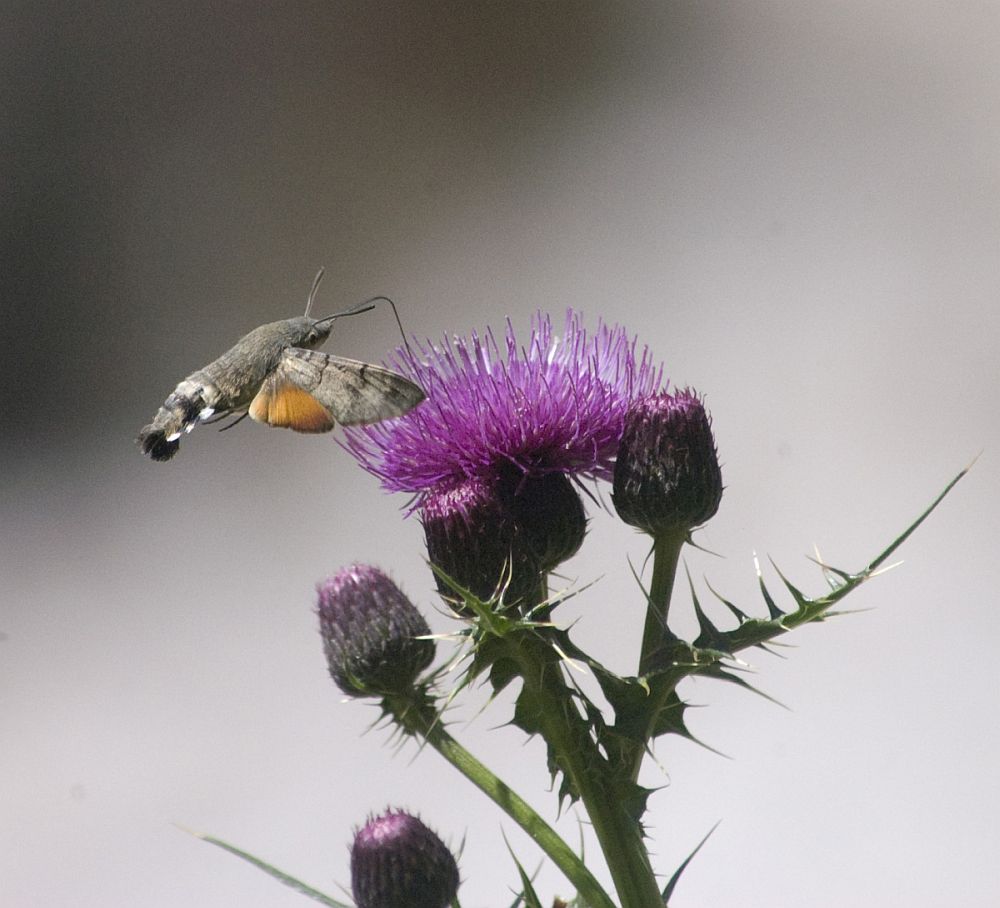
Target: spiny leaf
[502,672]
[767,649]
[488,614]
[669,715]
[635,803]
[528,897]
[834,578]
[772,608]
[754,632]
[741,616]
[668,890]
[709,636]
[627,696]
[279,875]
[720,673]
[899,540]
[800,599]
[527,712]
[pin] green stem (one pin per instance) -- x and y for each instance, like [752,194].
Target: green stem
[666,553]
[419,717]
[567,736]
[656,636]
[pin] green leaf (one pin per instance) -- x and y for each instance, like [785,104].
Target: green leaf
[772,608]
[709,636]
[741,616]
[755,632]
[279,875]
[487,614]
[669,888]
[899,540]
[722,674]
[527,897]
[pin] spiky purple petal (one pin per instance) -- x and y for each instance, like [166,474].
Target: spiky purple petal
[556,405]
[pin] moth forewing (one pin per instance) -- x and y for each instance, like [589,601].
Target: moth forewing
[363,393]
[354,392]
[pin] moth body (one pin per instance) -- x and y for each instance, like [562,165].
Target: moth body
[241,370]
[274,375]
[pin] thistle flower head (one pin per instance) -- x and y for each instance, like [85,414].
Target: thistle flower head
[549,515]
[667,477]
[473,538]
[554,405]
[397,862]
[370,630]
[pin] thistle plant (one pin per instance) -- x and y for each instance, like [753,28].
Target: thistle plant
[495,461]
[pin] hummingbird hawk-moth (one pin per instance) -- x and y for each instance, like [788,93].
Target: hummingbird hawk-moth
[275,376]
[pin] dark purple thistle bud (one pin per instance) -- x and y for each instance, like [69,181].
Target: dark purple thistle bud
[397,862]
[370,632]
[667,478]
[549,513]
[473,538]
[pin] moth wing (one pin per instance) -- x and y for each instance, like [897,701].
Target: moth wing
[284,402]
[355,393]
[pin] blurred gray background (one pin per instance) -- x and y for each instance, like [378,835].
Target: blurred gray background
[794,204]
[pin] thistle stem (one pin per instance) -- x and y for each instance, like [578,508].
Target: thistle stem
[566,733]
[666,553]
[419,717]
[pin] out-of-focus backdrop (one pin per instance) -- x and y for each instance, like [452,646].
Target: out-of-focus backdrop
[794,204]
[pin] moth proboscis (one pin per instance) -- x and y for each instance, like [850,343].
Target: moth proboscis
[275,376]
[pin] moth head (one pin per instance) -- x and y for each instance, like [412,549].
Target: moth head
[316,331]
[306,332]
[319,329]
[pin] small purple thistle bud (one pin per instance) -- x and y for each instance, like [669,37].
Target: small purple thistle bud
[473,538]
[667,478]
[549,513]
[397,862]
[370,630]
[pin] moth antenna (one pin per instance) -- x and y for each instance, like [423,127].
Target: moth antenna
[312,293]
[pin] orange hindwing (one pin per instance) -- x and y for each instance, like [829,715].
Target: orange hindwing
[284,404]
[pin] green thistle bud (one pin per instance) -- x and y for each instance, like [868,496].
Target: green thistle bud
[667,478]
[370,630]
[397,862]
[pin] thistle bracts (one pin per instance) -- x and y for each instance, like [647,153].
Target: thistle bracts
[398,862]
[373,636]
[667,478]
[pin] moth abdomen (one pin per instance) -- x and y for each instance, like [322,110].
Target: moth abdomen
[192,400]
[153,442]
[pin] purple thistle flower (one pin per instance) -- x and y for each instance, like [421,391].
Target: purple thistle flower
[556,405]
[397,862]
